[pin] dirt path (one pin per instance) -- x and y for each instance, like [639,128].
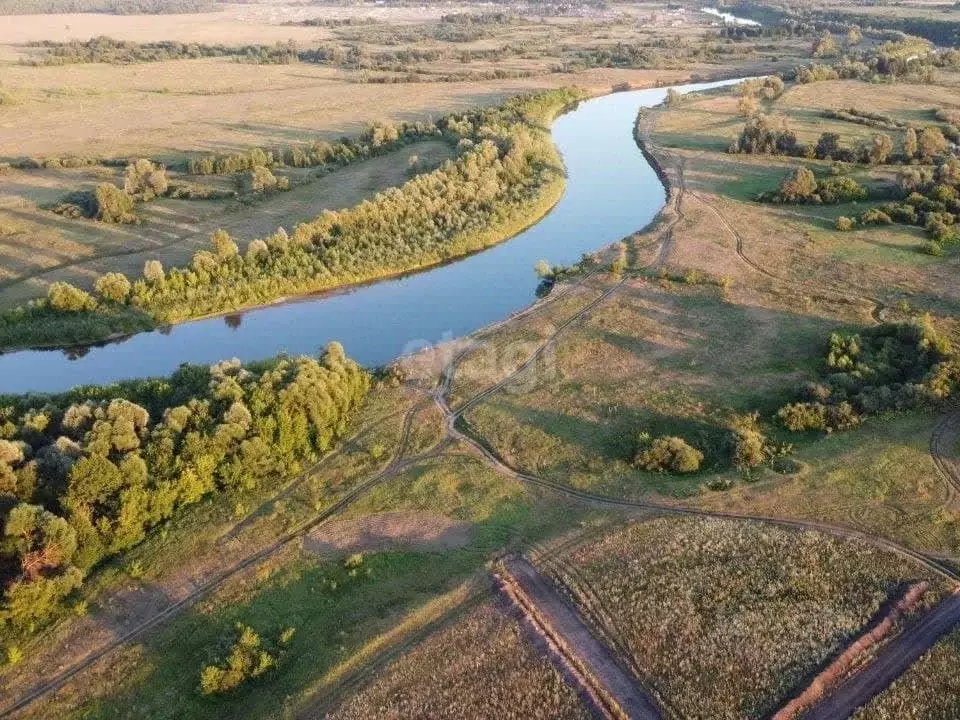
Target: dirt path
[892,662]
[943,445]
[44,687]
[614,690]
[876,309]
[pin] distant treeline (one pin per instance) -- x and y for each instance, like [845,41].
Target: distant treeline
[453,28]
[105,49]
[333,22]
[375,140]
[86,474]
[945,32]
[507,174]
[111,7]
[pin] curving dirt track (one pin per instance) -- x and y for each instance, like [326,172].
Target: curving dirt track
[892,661]
[614,691]
[877,307]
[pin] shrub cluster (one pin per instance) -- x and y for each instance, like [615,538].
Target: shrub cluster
[802,186]
[506,163]
[766,135]
[246,660]
[666,454]
[864,117]
[106,203]
[105,49]
[893,366]
[931,200]
[91,471]
[377,139]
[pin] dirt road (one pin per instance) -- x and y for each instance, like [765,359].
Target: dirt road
[618,692]
[892,662]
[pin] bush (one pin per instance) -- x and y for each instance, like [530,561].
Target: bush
[246,660]
[875,217]
[750,446]
[893,366]
[223,245]
[113,205]
[840,189]
[144,180]
[153,271]
[113,286]
[65,297]
[260,179]
[797,186]
[667,454]
[800,417]
[931,247]
[845,224]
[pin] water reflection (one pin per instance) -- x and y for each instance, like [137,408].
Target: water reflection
[611,192]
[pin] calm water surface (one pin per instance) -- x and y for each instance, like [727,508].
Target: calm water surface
[611,192]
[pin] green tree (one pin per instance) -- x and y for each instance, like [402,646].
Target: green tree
[113,286]
[667,454]
[153,271]
[223,245]
[825,46]
[880,148]
[799,185]
[247,660]
[931,143]
[113,205]
[260,179]
[65,297]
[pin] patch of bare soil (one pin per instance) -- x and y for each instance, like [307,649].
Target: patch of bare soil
[388,531]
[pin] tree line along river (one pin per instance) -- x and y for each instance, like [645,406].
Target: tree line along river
[612,191]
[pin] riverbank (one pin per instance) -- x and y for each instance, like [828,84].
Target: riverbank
[609,192]
[508,177]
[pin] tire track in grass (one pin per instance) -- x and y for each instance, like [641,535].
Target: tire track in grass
[943,444]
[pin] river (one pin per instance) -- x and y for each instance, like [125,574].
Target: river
[611,192]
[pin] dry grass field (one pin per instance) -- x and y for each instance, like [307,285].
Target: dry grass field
[927,691]
[163,110]
[475,668]
[38,247]
[724,619]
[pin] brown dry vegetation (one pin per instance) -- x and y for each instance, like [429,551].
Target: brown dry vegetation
[479,667]
[927,691]
[165,109]
[668,357]
[684,599]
